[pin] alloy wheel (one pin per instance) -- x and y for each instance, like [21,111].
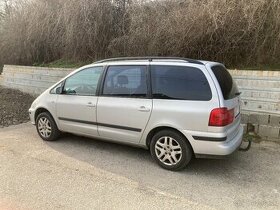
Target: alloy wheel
[168,150]
[44,127]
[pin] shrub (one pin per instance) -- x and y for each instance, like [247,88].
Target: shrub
[236,32]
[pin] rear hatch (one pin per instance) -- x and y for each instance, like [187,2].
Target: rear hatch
[229,97]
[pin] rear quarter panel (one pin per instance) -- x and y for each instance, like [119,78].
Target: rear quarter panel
[183,115]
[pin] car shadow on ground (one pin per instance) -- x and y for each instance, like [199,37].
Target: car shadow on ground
[243,179]
[130,161]
[243,173]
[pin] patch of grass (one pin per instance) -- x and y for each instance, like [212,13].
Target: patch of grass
[252,137]
[61,63]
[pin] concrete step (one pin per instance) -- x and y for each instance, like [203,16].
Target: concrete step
[255,78]
[273,94]
[255,73]
[33,90]
[273,83]
[36,77]
[27,82]
[262,105]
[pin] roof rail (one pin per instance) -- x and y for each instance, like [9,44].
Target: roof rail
[149,59]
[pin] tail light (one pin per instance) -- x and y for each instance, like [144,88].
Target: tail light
[221,117]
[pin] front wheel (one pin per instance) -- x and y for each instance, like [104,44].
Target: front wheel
[171,150]
[46,127]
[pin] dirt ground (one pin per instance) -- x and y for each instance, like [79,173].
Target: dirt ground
[81,173]
[14,107]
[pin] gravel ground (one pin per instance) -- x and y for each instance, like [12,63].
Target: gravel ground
[14,107]
[82,173]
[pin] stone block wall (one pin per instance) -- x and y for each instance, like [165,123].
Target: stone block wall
[33,80]
[266,126]
[260,90]
[260,102]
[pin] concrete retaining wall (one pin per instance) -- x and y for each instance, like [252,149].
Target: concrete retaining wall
[260,90]
[260,93]
[264,125]
[33,80]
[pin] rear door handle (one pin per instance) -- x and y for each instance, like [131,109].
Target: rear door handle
[90,104]
[143,109]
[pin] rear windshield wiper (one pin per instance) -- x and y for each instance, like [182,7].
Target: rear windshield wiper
[238,93]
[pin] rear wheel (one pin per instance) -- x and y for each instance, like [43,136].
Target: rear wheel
[170,150]
[46,127]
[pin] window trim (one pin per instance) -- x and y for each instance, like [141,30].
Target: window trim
[148,81]
[199,69]
[98,83]
[62,84]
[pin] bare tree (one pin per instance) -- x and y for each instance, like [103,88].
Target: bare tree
[237,32]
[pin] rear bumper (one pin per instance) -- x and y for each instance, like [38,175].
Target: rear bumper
[216,148]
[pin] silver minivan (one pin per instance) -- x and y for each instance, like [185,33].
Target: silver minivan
[177,108]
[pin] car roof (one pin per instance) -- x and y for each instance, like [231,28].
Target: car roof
[150,60]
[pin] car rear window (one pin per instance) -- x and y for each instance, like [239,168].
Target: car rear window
[227,84]
[180,83]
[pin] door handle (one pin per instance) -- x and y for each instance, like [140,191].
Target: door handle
[90,104]
[143,109]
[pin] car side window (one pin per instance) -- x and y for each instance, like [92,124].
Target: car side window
[83,83]
[125,81]
[180,83]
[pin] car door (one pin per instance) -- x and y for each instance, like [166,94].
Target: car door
[123,108]
[76,106]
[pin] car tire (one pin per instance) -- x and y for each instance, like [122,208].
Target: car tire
[46,127]
[171,150]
